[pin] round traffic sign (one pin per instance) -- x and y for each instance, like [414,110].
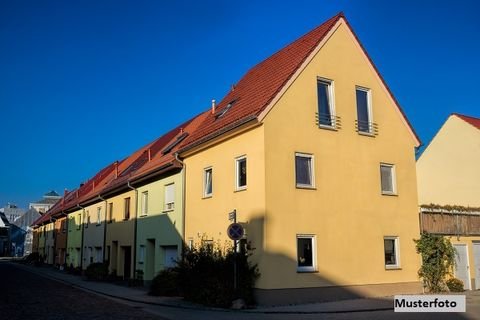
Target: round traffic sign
[235,231]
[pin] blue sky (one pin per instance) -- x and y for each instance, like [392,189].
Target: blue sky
[84,83]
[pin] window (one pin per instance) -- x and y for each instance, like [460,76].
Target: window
[241,173]
[364,110]
[391,248]
[170,255]
[99,215]
[144,203]
[325,103]
[98,254]
[141,255]
[79,221]
[304,174]
[207,182]
[306,255]
[126,211]
[169,197]
[110,212]
[87,218]
[387,179]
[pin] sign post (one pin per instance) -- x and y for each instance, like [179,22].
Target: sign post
[235,232]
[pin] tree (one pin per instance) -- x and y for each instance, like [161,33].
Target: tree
[438,259]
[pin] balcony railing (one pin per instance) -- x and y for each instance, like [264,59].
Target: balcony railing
[327,121]
[366,127]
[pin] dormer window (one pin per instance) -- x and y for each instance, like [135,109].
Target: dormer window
[225,110]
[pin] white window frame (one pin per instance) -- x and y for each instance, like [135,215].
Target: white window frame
[397,252]
[313,267]
[144,204]
[312,169]
[205,193]
[238,187]
[141,254]
[331,100]
[169,206]
[99,215]
[393,177]
[369,109]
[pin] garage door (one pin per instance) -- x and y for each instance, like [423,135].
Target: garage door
[462,268]
[476,259]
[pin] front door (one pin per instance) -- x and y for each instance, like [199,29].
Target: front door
[476,260]
[462,271]
[127,262]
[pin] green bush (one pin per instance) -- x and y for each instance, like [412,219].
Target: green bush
[438,259]
[455,285]
[205,275]
[165,284]
[97,271]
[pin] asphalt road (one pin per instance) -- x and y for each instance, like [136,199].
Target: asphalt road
[24,295]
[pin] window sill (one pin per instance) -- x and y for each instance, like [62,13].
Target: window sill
[168,210]
[240,189]
[307,187]
[366,134]
[207,196]
[307,271]
[143,215]
[98,224]
[125,219]
[327,127]
[391,194]
[393,268]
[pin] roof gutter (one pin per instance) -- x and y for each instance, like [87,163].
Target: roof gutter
[251,118]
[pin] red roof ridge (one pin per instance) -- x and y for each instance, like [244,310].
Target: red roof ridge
[469,119]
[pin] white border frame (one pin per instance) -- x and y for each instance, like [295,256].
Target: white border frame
[312,163]
[205,194]
[369,109]
[397,253]
[144,204]
[313,237]
[394,179]
[237,160]
[331,100]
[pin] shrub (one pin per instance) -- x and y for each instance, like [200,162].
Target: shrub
[97,271]
[165,284]
[438,259]
[455,285]
[205,275]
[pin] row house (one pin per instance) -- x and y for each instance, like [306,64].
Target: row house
[449,192]
[312,151]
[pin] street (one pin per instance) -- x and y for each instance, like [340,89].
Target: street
[24,295]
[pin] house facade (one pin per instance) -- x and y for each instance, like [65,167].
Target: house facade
[449,189]
[315,155]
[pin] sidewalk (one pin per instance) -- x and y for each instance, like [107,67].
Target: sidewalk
[140,295]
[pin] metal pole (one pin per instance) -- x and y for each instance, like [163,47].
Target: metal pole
[235,260]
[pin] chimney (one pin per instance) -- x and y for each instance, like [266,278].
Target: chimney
[149,154]
[213,106]
[116,169]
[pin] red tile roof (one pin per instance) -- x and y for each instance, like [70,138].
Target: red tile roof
[259,86]
[471,120]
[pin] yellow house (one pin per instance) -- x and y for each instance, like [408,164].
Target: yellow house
[317,158]
[449,177]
